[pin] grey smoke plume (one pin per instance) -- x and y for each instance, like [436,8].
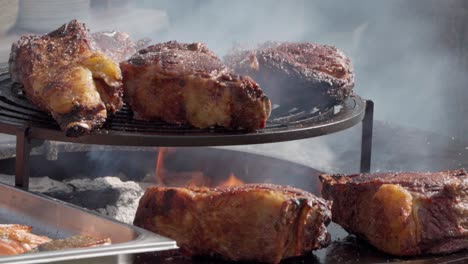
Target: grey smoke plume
[391,44]
[400,60]
[395,46]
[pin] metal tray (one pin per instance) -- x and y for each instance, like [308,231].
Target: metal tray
[57,219]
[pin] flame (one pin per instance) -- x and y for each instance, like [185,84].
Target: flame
[160,170]
[232,181]
[188,179]
[198,179]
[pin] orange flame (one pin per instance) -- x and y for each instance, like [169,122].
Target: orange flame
[197,179]
[160,171]
[232,181]
[192,178]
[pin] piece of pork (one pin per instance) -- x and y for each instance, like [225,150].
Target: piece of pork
[187,84]
[252,222]
[403,213]
[297,73]
[65,74]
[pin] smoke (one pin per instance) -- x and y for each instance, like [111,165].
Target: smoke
[400,61]
[220,23]
[394,46]
[314,153]
[391,44]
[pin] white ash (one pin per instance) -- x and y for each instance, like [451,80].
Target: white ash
[124,208]
[78,191]
[40,185]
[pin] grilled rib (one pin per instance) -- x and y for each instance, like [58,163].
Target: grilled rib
[187,84]
[403,213]
[65,74]
[313,74]
[256,222]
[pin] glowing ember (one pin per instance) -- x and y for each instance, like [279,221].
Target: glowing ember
[231,181]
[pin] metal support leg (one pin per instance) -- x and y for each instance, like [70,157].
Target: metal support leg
[366,141]
[23,149]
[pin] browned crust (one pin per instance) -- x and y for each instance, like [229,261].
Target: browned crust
[300,229]
[422,182]
[438,214]
[174,64]
[286,69]
[47,63]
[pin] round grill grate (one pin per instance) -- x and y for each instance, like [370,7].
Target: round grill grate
[287,122]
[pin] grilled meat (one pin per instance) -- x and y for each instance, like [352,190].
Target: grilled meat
[118,45]
[257,222]
[403,213]
[17,239]
[74,242]
[187,84]
[65,74]
[304,73]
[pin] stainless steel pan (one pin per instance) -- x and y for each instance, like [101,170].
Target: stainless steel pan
[57,219]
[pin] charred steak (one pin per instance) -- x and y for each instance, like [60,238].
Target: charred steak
[187,84]
[303,73]
[252,222]
[403,213]
[65,74]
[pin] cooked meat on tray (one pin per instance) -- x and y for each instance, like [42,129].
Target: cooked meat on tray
[65,74]
[187,84]
[74,242]
[315,74]
[17,239]
[256,222]
[403,214]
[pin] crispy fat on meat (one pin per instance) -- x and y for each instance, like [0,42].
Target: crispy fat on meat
[187,84]
[64,73]
[256,222]
[403,214]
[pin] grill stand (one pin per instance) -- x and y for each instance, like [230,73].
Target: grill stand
[366,140]
[23,149]
[24,144]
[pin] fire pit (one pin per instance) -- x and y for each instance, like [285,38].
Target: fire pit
[85,184]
